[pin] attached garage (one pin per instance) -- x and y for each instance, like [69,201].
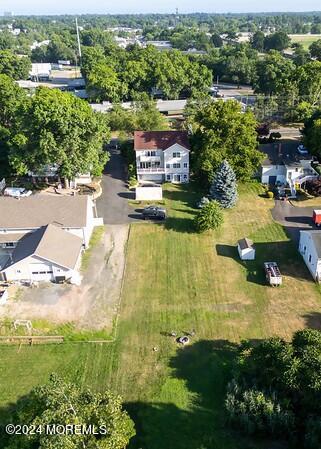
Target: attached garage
[155,177]
[41,272]
[48,254]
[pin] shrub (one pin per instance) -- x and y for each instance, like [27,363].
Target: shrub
[132,182]
[209,217]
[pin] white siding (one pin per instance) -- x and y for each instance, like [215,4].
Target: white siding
[34,268]
[176,166]
[274,170]
[309,254]
[247,253]
[171,165]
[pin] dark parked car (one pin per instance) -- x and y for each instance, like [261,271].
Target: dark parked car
[154,213]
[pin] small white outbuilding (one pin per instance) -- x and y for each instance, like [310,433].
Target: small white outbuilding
[246,249]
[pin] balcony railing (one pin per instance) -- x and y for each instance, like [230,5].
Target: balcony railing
[149,159]
[151,170]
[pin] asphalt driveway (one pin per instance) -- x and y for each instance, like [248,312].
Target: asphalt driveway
[292,218]
[113,205]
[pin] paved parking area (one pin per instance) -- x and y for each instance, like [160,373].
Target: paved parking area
[292,218]
[113,205]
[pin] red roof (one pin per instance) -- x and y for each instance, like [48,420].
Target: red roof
[159,140]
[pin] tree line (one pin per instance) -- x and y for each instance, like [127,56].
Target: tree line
[275,391]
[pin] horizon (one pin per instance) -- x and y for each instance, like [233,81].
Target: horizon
[131,7]
[79,14]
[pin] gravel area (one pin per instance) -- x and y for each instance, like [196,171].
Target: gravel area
[93,304]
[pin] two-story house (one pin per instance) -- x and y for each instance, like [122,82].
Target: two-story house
[284,165]
[162,156]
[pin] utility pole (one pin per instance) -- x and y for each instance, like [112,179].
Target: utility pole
[78,40]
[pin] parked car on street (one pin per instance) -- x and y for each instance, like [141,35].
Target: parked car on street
[154,213]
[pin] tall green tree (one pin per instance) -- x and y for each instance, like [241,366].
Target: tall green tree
[257,40]
[277,41]
[224,187]
[220,131]
[16,67]
[312,133]
[308,78]
[59,402]
[13,101]
[272,73]
[315,49]
[58,128]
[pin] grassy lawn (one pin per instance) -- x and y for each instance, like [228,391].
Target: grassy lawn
[177,280]
[305,39]
[95,239]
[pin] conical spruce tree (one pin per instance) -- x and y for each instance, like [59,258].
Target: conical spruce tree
[224,187]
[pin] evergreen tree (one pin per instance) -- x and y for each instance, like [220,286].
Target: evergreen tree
[224,187]
[209,217]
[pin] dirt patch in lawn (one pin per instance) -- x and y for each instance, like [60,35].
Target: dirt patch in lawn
[92,305]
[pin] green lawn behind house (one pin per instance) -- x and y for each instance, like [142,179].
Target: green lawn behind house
[177,280]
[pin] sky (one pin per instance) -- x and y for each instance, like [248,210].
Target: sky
[148,6]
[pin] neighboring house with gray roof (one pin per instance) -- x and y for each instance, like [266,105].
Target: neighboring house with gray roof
[47,254]
[310,249]
[51,228]
[283,164]
[75,214]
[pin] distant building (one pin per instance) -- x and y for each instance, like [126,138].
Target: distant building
[160,45]
[40,71]
[8,14]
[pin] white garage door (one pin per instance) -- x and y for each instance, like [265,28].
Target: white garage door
[41,272]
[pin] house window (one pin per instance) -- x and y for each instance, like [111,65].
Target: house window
[185,164]
[185,177]
[18,271]
[168,165]
[150,153]
[310,258]
[176,165]
[168,177]
[296,169]
[9,245]
[177,154]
